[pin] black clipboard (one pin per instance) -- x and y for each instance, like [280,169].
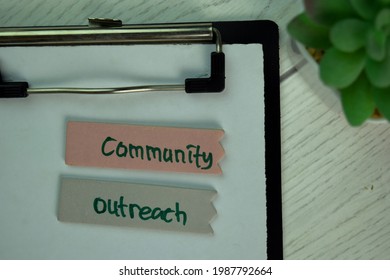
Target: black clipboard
[266,34]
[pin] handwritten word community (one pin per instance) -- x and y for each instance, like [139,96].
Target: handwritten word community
[190,154]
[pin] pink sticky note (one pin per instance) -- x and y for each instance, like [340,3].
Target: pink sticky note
[144,147]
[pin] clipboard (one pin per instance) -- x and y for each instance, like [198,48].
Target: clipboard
[33,140]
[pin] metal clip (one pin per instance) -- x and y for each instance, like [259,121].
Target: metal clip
[111,31]
[104,22]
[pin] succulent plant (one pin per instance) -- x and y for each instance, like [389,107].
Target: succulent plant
[355,37]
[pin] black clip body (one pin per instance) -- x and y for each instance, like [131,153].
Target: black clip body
[13,89]
[214,83]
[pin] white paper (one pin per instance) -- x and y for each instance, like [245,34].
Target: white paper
[32,148]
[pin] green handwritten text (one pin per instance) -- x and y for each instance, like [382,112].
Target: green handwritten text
[192,154]
[120,209]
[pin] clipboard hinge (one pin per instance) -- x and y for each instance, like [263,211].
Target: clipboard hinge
[148,34]
[214,83]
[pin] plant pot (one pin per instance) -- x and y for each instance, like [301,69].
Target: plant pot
[308,68]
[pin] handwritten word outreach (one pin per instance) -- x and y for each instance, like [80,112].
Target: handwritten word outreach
[191,154]
[121,209]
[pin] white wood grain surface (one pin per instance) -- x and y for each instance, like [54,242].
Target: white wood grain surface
[336,191]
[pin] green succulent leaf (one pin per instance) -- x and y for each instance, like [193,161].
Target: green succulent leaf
[382,21]
[378,72]
[330,11]
[340,69]
[349,35]
[358,101]
[382,100]
[376,44]
[367,9]
[311,34]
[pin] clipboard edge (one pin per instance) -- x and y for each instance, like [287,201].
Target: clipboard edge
[266,32]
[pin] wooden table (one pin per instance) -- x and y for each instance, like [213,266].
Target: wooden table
[336,191]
